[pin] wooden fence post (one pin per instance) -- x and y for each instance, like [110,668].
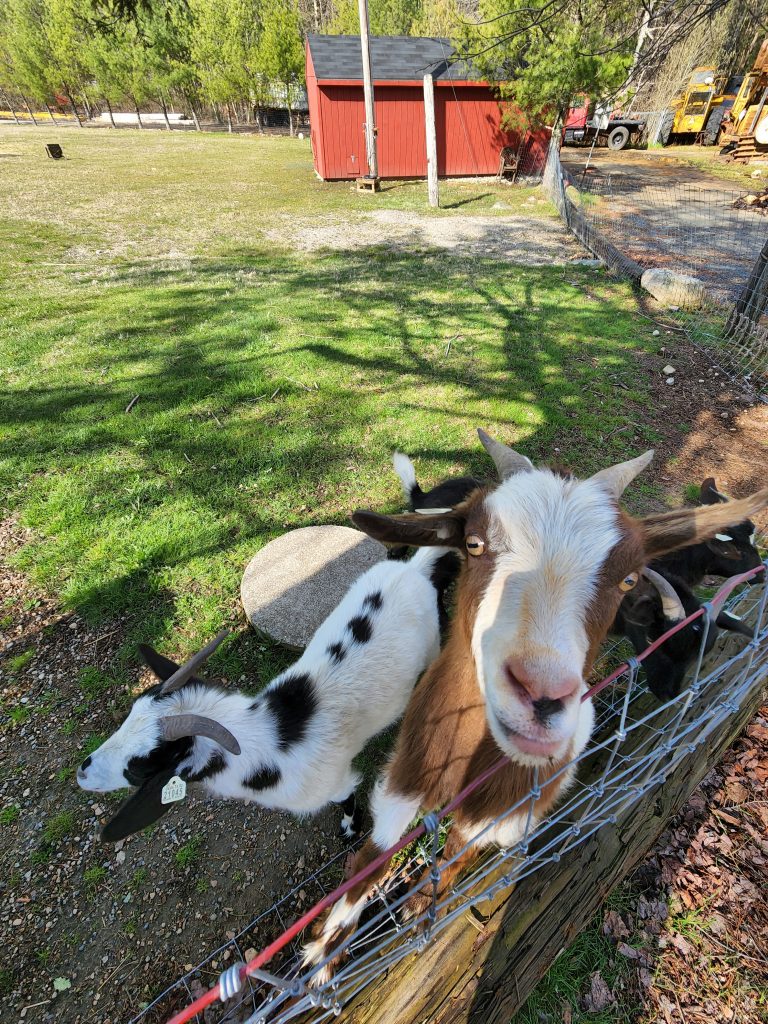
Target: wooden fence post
[431,132]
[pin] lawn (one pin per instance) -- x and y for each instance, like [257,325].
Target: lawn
[272,385]
[267,389]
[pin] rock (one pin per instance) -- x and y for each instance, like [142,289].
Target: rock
[656,334]
[670,380]
[756,174]
[668,370]
[586,263]
[296,581]
[669,287]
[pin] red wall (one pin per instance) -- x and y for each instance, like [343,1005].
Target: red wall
[467,118]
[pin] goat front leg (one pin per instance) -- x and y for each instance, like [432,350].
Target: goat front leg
[392,813]
[421,900]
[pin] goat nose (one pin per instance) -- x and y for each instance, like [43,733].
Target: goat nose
[544,687]
[83,767]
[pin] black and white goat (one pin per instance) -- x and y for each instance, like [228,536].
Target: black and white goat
[549,559]
[292,746]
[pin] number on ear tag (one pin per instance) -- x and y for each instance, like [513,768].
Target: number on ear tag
[174,789]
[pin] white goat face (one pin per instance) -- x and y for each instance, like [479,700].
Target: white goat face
[134,753]
[546,539]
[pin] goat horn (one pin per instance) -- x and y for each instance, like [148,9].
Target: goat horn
[187,670]
[174,727]
[617,478]
[671,604]
[507,460]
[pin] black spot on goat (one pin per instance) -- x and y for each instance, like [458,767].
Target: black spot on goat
[292,701]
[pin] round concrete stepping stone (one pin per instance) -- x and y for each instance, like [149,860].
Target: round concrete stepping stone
[296,581]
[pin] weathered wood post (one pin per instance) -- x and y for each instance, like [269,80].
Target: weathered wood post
[371,153]
[431,132]
[482,967]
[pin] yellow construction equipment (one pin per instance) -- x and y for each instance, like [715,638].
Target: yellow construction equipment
[698,113]
[745,130]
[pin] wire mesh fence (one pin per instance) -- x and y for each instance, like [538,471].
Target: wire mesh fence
[636,744]
[635,224]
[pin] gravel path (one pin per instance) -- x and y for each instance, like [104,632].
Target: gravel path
[529,241]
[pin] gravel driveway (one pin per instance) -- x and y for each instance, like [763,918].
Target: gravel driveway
[663,213]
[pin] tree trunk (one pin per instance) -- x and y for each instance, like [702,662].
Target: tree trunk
[138,112]
[288,103]
[29,111]
[51,114]
[229,118]
[165,113]
[111,115]
[259,120]
[217,113]
[10,107]
[194,114]
[86,104]
[74,109]
[483,966]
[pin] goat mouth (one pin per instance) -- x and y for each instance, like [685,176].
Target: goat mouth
[530,745]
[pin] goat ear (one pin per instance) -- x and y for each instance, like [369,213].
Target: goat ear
[709,494]
[442,529]
[670,531]
[142,808]
[162,667]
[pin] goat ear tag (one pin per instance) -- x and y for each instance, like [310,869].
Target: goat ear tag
[433,511]
[174,789]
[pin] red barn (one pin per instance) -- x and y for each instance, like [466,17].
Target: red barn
[467,114]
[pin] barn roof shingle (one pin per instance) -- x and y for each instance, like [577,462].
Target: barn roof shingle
[394,58]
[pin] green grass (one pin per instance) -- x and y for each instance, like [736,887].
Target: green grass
[93,877]
[20,662]
[9,814]
[59,827]
[273,385]
[568,979]
[190,853]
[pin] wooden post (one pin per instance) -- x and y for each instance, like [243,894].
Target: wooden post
[431,131]
[482,967]
[370,111]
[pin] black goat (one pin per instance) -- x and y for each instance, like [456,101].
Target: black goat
[658,603]
[727,554]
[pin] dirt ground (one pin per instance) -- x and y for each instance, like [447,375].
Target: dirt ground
[529,241]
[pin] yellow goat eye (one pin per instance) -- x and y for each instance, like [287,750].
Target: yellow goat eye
[475,545]
[629,582]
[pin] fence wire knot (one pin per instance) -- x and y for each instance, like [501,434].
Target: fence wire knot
[231,981]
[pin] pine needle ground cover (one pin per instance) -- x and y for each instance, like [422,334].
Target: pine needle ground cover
[271,386]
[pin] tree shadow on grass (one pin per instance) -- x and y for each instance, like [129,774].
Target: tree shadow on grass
[272,390]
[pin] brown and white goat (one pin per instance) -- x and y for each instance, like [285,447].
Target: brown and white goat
[550,558]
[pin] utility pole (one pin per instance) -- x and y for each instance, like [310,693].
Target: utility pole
[431,133]
[370,113]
